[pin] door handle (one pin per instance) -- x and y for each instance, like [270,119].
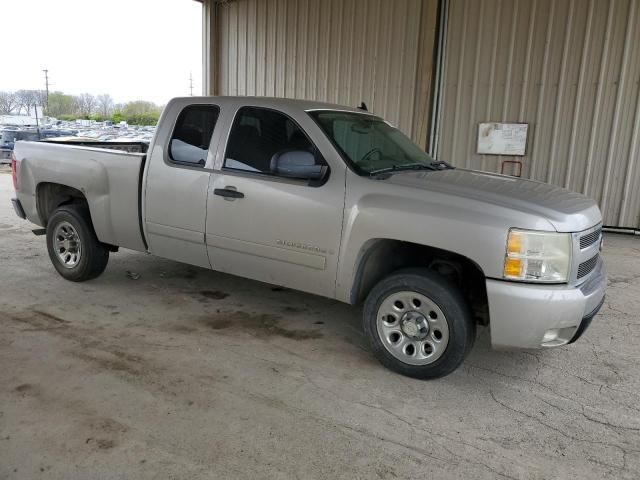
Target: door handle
[226,192]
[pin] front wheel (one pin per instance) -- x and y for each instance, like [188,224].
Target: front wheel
[418,324]
[73,247]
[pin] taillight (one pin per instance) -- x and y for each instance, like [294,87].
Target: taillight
[14,171]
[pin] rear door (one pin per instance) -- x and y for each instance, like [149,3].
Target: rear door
[177,183]
[274,229]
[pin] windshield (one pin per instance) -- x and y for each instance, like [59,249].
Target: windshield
[370,144]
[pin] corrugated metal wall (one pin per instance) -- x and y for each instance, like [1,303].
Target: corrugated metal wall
[339,51]
[569,68]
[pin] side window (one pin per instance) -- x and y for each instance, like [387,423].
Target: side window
[260,136]
[191,136]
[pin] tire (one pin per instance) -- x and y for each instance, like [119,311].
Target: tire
[435,320]
[73,247]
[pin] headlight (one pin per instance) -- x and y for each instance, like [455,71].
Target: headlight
[537,256]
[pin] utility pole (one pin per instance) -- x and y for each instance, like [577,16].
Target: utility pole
[190,84]
[37,122]
[46,84]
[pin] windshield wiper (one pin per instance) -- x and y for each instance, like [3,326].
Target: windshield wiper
[406,166]
[440,165]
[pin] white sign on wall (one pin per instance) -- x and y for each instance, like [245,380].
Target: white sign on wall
[502,138]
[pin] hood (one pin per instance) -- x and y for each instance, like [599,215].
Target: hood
[567,211]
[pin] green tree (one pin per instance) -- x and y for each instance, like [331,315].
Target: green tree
[138,112]
[60,104]
[85,106]
[139,107]
[117,117]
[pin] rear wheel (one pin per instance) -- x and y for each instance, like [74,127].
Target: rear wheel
[418,324]
[73,247]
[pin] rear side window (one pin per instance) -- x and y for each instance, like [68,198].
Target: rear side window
[258,136]
[191,136]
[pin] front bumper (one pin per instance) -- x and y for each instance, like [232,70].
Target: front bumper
[521,314]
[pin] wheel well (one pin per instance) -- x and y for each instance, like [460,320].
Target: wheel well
[382,257]
[50,196]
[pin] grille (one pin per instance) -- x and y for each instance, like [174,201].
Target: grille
[590,239]
[587,266]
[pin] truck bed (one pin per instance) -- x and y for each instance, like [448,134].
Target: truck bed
[130,147]
[107,173]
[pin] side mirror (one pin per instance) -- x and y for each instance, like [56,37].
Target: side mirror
[297,164]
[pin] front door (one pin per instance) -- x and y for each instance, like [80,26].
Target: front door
[266,226]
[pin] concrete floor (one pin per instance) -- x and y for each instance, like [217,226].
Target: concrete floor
[188,373]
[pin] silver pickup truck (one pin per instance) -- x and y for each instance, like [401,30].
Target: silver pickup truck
[333,201]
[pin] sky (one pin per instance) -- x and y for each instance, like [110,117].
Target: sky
[130,49]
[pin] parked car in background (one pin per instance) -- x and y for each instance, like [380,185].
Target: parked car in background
[50,133]
[5,155]
[337,202]
[9,137]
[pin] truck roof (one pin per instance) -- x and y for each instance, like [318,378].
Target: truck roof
[273,102]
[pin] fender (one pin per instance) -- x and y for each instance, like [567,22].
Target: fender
[379,210]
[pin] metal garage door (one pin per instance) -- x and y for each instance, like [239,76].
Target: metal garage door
[571,69]
[345,52]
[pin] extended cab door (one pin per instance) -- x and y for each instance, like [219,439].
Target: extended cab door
[271,227]
[177,182]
